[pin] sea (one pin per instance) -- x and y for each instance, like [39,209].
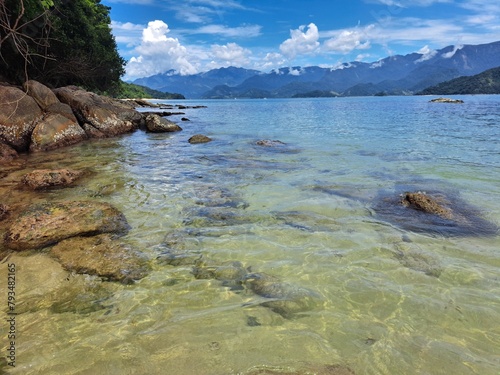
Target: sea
[316,208]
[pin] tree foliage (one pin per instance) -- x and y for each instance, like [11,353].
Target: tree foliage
[59,42]
[132,91]
[487,82]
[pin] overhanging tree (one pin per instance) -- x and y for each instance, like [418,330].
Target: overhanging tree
[59,42]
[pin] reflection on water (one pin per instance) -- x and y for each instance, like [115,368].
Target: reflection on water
[343,290]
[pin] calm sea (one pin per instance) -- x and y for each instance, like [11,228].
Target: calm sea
[390,296]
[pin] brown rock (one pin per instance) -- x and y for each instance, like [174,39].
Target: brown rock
[45,224]
[157,124]
[62,109]
[199,138]
[19,113]
[423,202]
[446,100]
[101,255]
[45,178]
[56,131]
[7,153]
[4,211]
[42,94]
[109,116]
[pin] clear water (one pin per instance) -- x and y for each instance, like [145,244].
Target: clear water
[434,311]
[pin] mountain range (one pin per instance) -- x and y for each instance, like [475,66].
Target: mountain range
[394,75]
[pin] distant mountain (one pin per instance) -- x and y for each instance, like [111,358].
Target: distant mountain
[487,82]
[394,75]
[193,86]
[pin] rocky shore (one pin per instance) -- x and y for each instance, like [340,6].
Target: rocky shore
[35,118]
[83,235]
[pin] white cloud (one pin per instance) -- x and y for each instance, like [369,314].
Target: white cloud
[427,54]
[295,71]
[127,33]
[301,42]
[349,39]
[247,31]
[230,54]
[159,53]
[452,53]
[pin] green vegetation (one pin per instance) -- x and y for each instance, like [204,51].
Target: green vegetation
[487,82]
[317,94]
[59,42]
[132,91]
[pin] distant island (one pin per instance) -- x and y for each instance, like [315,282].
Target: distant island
[487,82]
[132,91]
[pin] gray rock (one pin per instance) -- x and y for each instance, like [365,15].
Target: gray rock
[157,124]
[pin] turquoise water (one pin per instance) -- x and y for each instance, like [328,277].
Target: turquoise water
[388,298]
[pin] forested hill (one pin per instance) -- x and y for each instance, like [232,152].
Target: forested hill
[487,82]
[59,43]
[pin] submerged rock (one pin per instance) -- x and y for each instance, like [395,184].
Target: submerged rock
[269,143]
[101,255]
[46,178]
[179,258]
[435,212]
[308,369]
[229,273]
[419,261]
[199,138]
[283,298]
[45,224]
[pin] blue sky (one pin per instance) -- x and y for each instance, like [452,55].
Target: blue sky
[192,36]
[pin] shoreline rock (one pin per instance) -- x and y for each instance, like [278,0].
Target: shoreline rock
[45,224]
[35,118]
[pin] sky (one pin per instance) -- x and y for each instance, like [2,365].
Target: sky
[193,36]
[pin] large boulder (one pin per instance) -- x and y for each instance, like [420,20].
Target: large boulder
[101,255]
[45,224]
[62,109]
[157,124]
[110,117]
[42,94]
[56,131]
[19,113]
[47,178]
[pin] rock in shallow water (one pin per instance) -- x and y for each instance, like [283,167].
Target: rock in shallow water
[283,298]
[199,138]
[45,178]
[45,224]
[101,255]
[433,212]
